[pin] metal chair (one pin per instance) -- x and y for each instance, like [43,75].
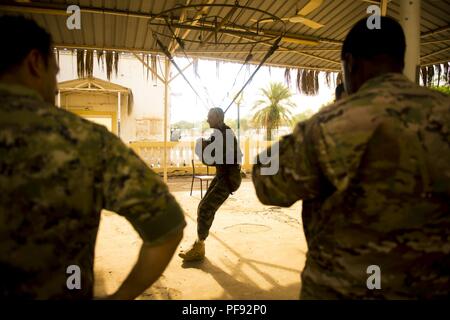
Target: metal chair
[202,178]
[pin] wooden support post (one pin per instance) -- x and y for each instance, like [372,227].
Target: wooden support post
[384,6]
[166,114]
[58,99]
[410,20]
[247,164]
[119,111]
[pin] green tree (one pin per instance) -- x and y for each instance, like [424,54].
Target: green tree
[204,125]
[232,123]
[443,89]
[273,109]
[305,115]
[183,125]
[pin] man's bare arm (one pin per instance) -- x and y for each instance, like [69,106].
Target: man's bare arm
[152,261]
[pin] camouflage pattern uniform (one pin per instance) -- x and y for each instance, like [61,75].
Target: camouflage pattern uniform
[373,171]
[57,172]
[227,180]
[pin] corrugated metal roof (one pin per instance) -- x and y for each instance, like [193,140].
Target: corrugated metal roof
[125,28]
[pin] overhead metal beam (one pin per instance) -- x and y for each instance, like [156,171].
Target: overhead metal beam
[435,41]
[249,32]
[177,31]
[254,51]
[435,62]
[57,9]
[434,53]
[377,2]
[270,64]
[204,55]
[217,28]
[283,48]
[186,33]
[61,9]
[182,70]
[210,28]
[435,31]
[63,46]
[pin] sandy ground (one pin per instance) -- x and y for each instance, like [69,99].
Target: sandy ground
[253,251]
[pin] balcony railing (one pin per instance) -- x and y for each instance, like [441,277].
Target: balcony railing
[180,154]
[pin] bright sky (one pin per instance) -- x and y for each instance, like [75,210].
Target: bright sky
[219,91]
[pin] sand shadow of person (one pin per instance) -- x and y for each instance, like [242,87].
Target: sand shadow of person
[243,290]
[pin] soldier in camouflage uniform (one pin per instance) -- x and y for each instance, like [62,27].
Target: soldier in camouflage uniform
[57,172]
[373,171]
[227,179]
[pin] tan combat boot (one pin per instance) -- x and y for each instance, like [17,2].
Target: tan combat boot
[195,253]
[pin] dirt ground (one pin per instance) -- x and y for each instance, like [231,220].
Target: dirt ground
[253,251]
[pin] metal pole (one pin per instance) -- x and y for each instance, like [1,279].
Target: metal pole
[267,56]
[166,112]
[410,20]
[119,111]
[384,7]
[58,99]
[238,124]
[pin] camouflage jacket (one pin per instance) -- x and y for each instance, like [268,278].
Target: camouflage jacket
[373,171]
[57,172]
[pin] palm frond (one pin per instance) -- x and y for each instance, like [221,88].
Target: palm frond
[438,70]
[80,63]
[273,109]
[101,59]
[328,79]
[446,75]
[424,74]
[287,76]
[109,64]
[430,75]
[304,81]
[310,83]
[299,80]
[116,63]
[154,60]
[316,82]
[89,63]
[195,66]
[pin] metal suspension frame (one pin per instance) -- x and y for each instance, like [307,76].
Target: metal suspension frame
[167,53]
[180,71]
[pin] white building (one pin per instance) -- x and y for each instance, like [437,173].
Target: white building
[141,108]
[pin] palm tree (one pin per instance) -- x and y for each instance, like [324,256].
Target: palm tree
[273,110]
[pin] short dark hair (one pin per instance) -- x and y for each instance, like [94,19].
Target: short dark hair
[19,36]
[366,43]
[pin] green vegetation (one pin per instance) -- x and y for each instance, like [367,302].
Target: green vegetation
[273,109]
[443,89]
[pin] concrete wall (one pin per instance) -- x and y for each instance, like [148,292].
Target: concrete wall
[148,96]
